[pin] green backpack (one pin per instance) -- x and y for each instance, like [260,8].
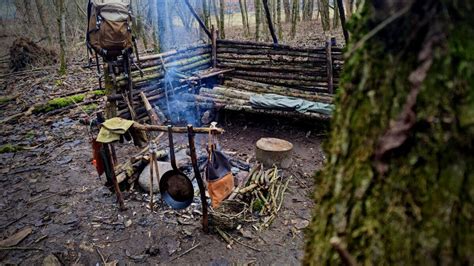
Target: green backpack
[109,31]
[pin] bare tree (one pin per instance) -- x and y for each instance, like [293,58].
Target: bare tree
[222,18]
[286,6]
[61,20]
[243,12]
[324,11]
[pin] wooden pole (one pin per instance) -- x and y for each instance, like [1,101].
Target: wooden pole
[197,175]
[269,20]
[214,46]
[201,130]
[329,66]
[201,23]
[155,120]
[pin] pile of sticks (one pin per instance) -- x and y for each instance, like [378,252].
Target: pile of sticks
[282,65]
[264,191]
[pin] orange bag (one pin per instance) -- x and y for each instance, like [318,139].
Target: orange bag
[96,158]
[219,176]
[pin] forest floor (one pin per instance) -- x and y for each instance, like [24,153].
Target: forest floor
[51,191]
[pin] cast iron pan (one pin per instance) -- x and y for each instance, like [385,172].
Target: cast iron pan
[175,187]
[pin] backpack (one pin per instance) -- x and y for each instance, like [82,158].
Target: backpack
[109,30]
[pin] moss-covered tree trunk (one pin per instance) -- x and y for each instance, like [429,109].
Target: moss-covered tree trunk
[398,184]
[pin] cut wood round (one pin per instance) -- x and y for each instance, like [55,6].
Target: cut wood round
[273,151]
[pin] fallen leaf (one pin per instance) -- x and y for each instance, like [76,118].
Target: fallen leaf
[51,260]
[16,238]
[300,223]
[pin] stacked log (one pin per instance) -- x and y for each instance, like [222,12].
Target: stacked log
[281,65]
[258,68]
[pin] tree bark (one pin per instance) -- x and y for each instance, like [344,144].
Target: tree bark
[324,11]
[258,11]
[294,18]
[206,13]
[61,20]
[278,10]
[244,18]
[398,184]
[44,21]
[222,19]
[286,7]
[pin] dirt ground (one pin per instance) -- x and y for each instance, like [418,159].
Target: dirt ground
[50,186]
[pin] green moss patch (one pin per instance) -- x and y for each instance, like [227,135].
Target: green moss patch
[6,148]
[60,103]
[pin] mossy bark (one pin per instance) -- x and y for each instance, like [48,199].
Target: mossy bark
[408,87]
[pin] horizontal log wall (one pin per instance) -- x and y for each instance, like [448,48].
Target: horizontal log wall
[297,68]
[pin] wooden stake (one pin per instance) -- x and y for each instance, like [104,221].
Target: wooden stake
[197,175]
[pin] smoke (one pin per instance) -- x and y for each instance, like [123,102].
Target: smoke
[177,28]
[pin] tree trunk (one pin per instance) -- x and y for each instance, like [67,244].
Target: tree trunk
[222,18]
[335,20]
[294,18]
[280,30]
[258,16]
[139,25]
[398,185]
[247,16]
[348,8]
[162,25]
[206,13]
[61,20]
[155,27]
[324,11]
[287,8]
[244,18]
[216,12]
[44,21]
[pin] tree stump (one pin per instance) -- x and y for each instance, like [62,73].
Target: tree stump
[273,151]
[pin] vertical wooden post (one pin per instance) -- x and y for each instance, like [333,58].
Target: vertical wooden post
[110,167]
[197,175]
[214,46]
[110,105]
[329,66]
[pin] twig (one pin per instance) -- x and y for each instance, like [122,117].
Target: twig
[14,221]
[20,248]
[101,256]
[184,253]
[47,197]
[243,244]
[118,240]
[224,236]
